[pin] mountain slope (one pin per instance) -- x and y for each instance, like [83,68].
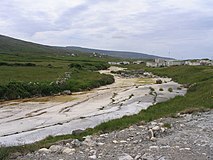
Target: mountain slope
[16,46]
[120,54]
[12,45]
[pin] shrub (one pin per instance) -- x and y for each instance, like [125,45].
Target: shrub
[152,89]
[170,89]
[158,81]
[161,89]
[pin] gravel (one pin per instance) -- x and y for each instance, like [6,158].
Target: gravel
[189,138]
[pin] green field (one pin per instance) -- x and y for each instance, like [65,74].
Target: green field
[25,76]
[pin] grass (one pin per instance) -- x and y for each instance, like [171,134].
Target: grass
[18,76]
[198,98]
[30,74]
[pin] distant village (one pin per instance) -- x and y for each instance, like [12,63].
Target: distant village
[167,63]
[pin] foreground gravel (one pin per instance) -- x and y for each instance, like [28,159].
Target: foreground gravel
[189,138]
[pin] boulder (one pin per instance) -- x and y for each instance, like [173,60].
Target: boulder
[44,150]
[56,148]
[77,131]
[68,150]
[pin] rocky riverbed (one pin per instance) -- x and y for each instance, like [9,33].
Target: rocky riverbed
[24,122]
[187,137]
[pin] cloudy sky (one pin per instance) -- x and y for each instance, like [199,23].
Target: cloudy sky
[175,28]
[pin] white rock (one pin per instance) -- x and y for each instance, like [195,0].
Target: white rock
[100,144]
[44,150]
[93,157]
[137,157]
[125,157]
[88,141]
[114,141]
[56,148]
[123,141]
[153,147]
[163,129]
[153,139]
[161,124]
[68,150]
[156,128]
[153,123]
[76,143]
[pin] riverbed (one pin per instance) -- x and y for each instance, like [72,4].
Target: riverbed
[30,120]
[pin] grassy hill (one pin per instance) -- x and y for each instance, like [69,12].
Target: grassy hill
[120,54]
[15,46]
[12,45]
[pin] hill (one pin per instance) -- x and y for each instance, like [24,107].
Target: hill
[15,46]
[12,45]
[119,54]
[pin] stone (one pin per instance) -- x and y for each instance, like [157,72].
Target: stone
[93,157]
[153,147]
[125,157]
[137,157]
[115,141]
[153,139]
[123,141]
[15,155]
[56,149]
[161,124]
[77,131]
[88,141]
[156,128]
[100,144]
[68,150]
[76,143]
[44,150]
[154,123]
[163,129]
[67,92]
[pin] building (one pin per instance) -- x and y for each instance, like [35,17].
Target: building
[137,62]
[192,63]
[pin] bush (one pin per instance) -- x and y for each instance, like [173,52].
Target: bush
[159,81]
[161,89]
[170,89]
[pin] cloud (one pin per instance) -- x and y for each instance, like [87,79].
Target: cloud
[183,28]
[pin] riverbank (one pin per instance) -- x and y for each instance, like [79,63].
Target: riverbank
[188,136]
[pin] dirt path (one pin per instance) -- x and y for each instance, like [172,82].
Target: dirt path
[33,120]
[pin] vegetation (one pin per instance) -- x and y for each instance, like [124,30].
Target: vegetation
[24,76]
[161,89]
[170,89]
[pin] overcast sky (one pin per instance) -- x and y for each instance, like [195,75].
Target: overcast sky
[175,28]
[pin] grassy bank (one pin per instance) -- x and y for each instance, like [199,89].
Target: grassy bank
[26,76]
[198,97]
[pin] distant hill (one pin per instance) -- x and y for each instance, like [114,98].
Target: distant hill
[120,54]
[12,45]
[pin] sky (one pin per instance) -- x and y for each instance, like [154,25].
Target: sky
[180,29]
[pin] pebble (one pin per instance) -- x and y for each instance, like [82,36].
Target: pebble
[153,147]
[125,157]
[56,148]
[135,144]
[93,157]
[44,150]
[68,151]
[115,141]
[156,128]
